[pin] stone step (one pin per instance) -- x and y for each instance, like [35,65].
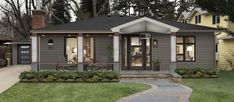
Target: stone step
[155,76]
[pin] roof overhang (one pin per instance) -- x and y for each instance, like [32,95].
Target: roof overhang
[145,24]
[14,43]
[69,31]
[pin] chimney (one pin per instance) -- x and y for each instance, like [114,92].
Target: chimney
[38,19]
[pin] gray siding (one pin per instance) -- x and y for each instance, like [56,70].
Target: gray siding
[102,48]
[14,54]
[163,51]
[205,51]
[51,55]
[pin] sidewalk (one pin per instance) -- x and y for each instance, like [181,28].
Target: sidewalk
[161,91]
[10,75]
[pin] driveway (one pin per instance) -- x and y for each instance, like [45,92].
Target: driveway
[161,91]
[10,75]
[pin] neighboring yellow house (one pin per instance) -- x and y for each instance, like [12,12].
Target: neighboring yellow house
[225,40]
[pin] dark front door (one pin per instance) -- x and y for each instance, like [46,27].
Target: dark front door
[136,53]
[24,54]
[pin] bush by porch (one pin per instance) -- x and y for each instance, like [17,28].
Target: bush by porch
[69,76]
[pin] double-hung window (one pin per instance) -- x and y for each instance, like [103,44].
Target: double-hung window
[197,19]
[185,48]
[215,19]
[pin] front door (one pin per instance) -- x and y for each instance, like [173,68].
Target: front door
[136,53]
[24,54]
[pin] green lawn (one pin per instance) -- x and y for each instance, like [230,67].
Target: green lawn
[70,92]
[212,90]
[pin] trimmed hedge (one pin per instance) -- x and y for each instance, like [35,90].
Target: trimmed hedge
[59,76]
[197,72]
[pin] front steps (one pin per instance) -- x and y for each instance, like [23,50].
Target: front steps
[150,75]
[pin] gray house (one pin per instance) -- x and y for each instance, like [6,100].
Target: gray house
[121,43]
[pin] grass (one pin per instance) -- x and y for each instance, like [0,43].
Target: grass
[70,92]
[212,90]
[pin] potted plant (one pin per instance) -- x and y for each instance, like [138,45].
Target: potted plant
[156,64]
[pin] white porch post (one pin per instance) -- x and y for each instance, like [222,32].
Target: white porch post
[116,52]
[34,46]
[173,52]
[80,52]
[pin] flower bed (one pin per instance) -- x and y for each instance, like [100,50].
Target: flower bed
[197,72]
[59,76]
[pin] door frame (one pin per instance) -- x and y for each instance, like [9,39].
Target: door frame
[129,55]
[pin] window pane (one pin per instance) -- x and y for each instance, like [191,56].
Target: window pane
[189,39]
[179,58]
[135,41]
[71,50]
[136,56]
[179,39]
[179,49]
[88,49]
[189,53]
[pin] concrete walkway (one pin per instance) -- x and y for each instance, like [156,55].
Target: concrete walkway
[10,76]
[161,91]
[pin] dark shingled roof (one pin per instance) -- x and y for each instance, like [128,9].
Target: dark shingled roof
[108,22]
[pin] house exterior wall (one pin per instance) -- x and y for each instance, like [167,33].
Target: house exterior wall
[163,51]
[103,48]
[226,50]
[206,20]
[204,51]
[50,57]
[14,54]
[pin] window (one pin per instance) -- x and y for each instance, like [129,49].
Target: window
[50,44]
[71,50]
[185,48]
[215,19]
[88,49]
[197,19]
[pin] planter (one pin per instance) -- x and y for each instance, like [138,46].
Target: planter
[156,68]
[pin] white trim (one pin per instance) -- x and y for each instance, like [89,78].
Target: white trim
[34,48]
[116,48]
[173,48]
[117,28]
[80,48]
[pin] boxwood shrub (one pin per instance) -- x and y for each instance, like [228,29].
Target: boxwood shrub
[61,76]
[197,72]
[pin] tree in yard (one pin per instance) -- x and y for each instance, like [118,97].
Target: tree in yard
[17,16]
[219,7]
[61,11]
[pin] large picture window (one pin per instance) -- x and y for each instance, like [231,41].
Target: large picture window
[185,48]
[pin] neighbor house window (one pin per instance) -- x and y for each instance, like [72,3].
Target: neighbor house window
[88,52]
[197,19]
[185,48]
[215,19]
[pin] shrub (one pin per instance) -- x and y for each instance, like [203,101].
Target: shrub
[197,72]
[58,76]
[3,62]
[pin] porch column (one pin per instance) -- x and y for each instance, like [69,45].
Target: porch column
[116,66]
[173,52]
[34,46]
[80,52]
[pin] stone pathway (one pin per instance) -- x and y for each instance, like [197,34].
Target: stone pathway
[161,91]
[10,76]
